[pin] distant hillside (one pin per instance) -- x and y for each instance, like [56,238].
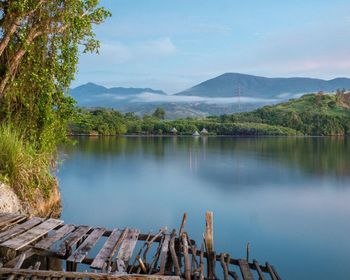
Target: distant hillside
[89,93]
[311,114]
[227,84]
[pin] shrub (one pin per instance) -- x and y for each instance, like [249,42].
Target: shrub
[21,167]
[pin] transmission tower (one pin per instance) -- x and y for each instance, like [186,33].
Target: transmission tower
[238,93]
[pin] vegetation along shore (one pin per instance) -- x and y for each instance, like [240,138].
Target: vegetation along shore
[39,49]
[316,114]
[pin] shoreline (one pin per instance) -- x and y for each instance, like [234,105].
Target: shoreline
[206,136]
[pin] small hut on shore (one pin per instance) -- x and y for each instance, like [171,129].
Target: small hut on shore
[204,131]
[196,133]
[173,131]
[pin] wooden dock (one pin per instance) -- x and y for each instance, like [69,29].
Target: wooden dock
[30,246]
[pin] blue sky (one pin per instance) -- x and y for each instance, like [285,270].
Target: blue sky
[175,44]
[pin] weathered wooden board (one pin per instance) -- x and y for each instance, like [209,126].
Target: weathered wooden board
[13,223]
[9,218]
[164,253]
[47,242]
[73,238]
[82,251]
[32,234]
[4,216]
[18,229]
[244,267]
[107,249]
[126,249]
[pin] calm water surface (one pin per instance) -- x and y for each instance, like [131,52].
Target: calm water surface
[288,197]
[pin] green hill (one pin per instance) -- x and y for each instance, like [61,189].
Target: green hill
[312,114]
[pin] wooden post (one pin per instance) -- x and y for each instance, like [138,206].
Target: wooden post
[178,244]
[248,251]
[182,226]
[209,244]
[187,261]
[173,253]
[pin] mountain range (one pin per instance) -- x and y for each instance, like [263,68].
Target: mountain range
[228,84]
[227,93]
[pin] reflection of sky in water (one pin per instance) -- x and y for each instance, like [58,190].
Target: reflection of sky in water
[270,192]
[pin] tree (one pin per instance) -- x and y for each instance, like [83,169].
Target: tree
[159,113]
[39,47]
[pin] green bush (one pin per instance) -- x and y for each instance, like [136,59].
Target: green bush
[21,167]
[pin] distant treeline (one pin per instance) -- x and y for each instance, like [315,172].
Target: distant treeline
[111,122]
[312,114]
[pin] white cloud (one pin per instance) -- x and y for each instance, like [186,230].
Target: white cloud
[162,46]
[152,97]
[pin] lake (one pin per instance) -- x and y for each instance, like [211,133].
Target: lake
[288,197]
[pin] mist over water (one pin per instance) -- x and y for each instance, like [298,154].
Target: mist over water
[288,197]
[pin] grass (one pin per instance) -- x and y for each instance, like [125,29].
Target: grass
[22,168]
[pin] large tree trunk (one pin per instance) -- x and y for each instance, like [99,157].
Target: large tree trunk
[16,59]
[7,36]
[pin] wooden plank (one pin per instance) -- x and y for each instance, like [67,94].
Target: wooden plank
[105,253]
[73,239]
[271,272]
[32,235]
[83,250]
[18,229]
[258,269]
[126,249]
[47,242]
[4,216]
[82,275]
[7,219]
[12,224]
[164,253]
[244,267]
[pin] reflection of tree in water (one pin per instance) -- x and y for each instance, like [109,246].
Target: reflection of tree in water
[320,156]
[116,146]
